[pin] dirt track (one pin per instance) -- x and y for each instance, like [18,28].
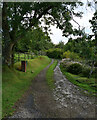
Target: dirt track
[38,101]
[65,101]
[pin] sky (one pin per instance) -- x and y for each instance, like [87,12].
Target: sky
[84,22]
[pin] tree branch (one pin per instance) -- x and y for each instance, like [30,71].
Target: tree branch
[35,20]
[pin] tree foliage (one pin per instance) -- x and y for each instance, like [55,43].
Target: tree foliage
[55,53]
[71,55]
[34,40]
[18,18]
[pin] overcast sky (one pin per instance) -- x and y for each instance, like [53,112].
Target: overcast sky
[84,22]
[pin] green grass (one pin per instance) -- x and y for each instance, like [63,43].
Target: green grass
[49,75]
[16,82]
[89,84]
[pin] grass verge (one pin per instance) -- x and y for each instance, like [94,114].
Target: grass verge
[49,75]
[88,84]
[16,82]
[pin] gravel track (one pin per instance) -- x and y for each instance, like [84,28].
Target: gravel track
[65,101]
[70,97]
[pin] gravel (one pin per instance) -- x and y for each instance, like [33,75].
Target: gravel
[65,101]
[68,95]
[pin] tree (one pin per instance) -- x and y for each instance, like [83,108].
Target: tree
[34,40]
[18,18]
[94,26]
[60,45]
[94,29]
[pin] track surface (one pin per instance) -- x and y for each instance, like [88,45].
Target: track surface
[66,100]
[71,100]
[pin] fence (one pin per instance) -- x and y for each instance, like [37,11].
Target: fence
[23,56]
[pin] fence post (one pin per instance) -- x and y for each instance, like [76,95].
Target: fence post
[18,56]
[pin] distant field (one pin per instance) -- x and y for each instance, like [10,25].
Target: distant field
[16,82]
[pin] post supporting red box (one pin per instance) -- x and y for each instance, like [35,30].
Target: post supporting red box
[23,66]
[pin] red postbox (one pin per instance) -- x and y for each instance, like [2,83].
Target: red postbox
[23,66]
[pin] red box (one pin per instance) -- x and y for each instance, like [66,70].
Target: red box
[23,66]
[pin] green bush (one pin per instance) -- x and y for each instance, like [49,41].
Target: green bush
[95,64]
[66,54]
[95,73]
[65,65]
[70,55]
[54,53]
[86,72]
[75,68]
[74,56]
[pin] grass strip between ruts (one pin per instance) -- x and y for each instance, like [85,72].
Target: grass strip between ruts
[49,75]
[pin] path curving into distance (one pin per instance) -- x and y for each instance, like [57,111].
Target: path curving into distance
[65,101]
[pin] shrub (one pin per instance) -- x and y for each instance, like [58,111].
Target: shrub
[85,72]
[95,73]
[54,53]
[75,68]
[65,65]
[95,64]
[74,56]
[62,68]
[70,55]
[66,54]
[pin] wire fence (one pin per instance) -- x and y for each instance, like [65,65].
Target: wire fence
[23,56]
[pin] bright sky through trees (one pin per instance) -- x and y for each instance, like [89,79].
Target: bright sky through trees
[83,22]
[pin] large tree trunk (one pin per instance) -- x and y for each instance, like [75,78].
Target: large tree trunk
[12,59]
[7,53]
[8,44]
